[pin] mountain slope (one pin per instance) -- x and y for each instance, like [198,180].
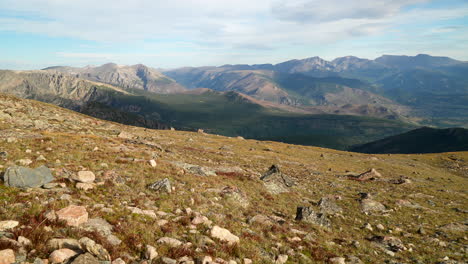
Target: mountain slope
[192,197]
[327,95]
[136,77]
[73,93]
[421,140]
[424,89]
[226,113]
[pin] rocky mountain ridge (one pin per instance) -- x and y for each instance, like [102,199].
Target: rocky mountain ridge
[136,76]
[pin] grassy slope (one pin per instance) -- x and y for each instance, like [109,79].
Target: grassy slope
[438,185]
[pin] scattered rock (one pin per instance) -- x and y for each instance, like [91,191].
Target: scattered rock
[92,247]
[85,186]
[455,227]
[369,175]
[59,243]
[163,185]
[136,210]
[337,260]
[281,259]
[118,261]
[23,177]
[150,252]
[388,243]
[73,215]
[85,259]
[125,135]
[24,162]
[195,169]
[24,241]
[275,181]
[8,224]
[223,235]
[368,205]
[152,163]
[328,205]
[7,256]
[261,220]
[61,255]
[307,214]
[172,242]
[84,177]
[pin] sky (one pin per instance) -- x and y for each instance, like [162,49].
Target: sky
[167,34]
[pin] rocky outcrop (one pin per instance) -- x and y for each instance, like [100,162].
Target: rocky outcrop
[275,181]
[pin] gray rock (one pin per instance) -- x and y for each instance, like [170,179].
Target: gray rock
[163,185]
[166,260]
[85,259]
[275,181]
[96,249]
[329,206]
[388,243]
[369,206]
[99,225]
[23,177]
[307,214]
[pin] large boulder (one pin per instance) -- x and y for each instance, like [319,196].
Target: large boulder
[275,181]
[22,177]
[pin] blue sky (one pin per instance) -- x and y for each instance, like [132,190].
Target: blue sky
[165,34]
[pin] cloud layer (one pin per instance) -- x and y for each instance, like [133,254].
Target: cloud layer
[199,27]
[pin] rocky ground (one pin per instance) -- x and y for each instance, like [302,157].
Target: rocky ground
[81,190]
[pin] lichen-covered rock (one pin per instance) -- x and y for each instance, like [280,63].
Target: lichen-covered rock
[163,185]
[307,214]
[275,181]
[94,248]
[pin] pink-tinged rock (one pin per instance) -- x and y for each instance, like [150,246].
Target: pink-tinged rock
[73,215]
[84,176]
[7,256]
[61,255]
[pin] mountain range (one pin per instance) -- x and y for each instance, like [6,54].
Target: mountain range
[338,103]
